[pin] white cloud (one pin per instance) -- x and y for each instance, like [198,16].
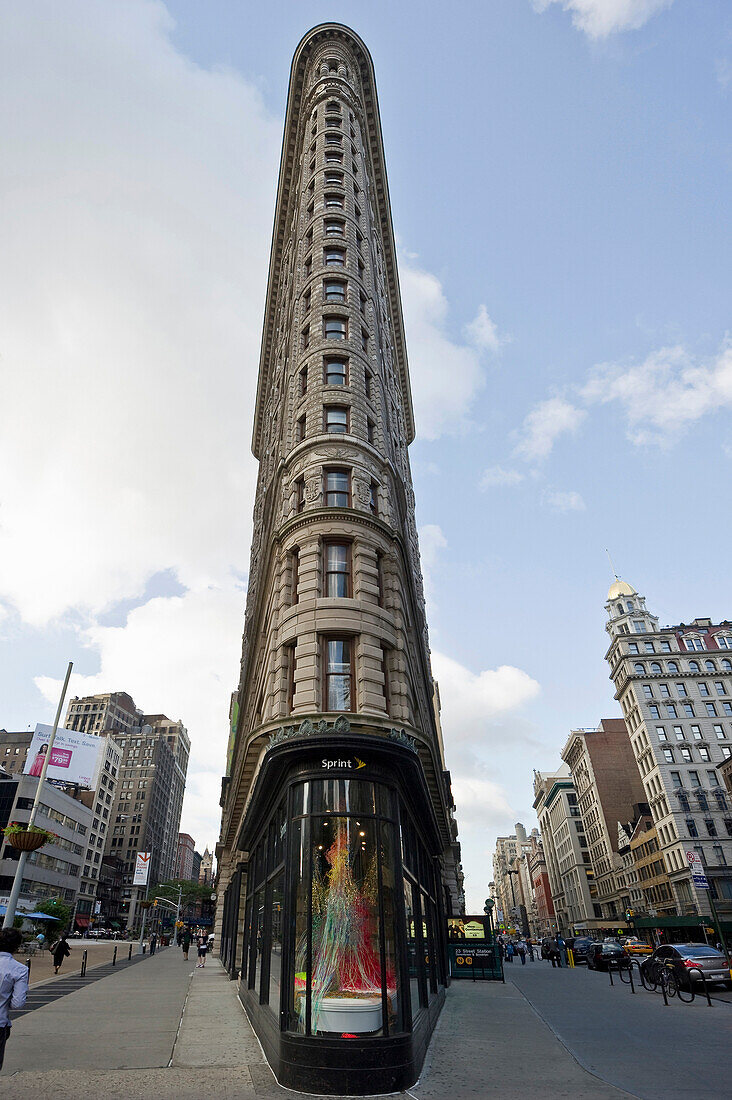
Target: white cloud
[446,376]
[599,18]
[483,332]
[470,701]
[544,425]
[177,655]
[560,501]
[666,393]
[497,476]
[135,223]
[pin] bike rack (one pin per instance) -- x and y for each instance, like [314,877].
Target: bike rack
[704,982]
[83,963]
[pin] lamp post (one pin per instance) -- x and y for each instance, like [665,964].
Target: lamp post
[488,910]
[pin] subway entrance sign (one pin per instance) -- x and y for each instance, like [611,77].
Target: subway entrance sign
[471,951]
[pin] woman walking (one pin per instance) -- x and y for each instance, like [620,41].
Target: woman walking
[185,942]
[60,949]
[202,942]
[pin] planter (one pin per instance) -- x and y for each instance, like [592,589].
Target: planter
[27,841]
[355,1015]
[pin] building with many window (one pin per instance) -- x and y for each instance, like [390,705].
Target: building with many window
[55,869]
[609,791]
[14,751]
[566,850]
[674,685]
[184,858]
[334,742]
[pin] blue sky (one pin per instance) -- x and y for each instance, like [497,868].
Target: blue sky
[558,175]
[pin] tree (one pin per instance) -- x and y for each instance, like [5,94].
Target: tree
[55,908]
[192,893]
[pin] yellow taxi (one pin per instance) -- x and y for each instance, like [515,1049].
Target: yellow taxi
[636,947]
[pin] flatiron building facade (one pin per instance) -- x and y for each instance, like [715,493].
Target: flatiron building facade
[338,855]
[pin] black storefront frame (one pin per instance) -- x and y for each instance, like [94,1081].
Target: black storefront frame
[371,1062]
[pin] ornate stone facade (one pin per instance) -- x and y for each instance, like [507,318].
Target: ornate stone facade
[332,426]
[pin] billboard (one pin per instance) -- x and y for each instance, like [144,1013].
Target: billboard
[142,868]
[75,757]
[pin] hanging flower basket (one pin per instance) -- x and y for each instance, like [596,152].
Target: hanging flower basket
[24,839]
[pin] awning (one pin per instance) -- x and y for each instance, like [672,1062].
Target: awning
[83,922]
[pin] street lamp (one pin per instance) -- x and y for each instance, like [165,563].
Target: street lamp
[488,909]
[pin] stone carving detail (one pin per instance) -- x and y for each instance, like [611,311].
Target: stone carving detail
[312,489]
[362,491]
[307,729]
[403,738]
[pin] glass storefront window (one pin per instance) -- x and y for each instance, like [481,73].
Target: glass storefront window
[275,954]
[346,983]
[301,872]
[413,947]
[343,796]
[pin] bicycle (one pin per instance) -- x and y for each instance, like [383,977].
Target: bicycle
[660,976]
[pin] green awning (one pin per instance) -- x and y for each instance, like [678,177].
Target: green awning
[680,922]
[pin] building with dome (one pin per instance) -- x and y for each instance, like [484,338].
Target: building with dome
[674,685]
[338,859]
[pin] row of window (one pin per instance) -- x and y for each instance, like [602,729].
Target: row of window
[332,227]
[336,421]
[696,733]
[337,491]
[672,667]
[334,328]
[334,290]
[337,571]
[688,709]
[336,372]
[692,644]
[334,256]
[338,680]
[686,754]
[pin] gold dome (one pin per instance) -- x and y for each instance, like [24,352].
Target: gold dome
[620,588]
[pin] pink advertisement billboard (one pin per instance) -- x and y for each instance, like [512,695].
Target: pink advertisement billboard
[74,758]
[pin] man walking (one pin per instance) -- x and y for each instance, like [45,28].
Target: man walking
[202,941]
[521,948]
[185,942]
[13,982]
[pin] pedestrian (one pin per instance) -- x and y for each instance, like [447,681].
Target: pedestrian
[521,948]
[153,942]
[555,954]
[531,951]
[13,982]
[202,941]
[185,942]
[562,950]
[40,940]
[60,949]
[509,951]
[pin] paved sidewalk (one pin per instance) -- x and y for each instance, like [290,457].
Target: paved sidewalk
[166,1029]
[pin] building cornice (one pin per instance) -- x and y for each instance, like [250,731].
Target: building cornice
[288,179]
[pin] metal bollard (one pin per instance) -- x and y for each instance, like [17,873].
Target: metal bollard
[83,963]
[129,953]
[28,964]
[114,956]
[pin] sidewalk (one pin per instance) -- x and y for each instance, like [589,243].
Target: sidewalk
[163,1028]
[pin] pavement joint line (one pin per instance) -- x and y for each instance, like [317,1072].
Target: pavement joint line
[580,1062]
[180,1021]
[53,989]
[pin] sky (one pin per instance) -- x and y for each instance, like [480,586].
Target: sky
[560,178]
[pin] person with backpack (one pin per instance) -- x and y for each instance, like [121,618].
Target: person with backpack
[185,942]
[60,949]
[202,941]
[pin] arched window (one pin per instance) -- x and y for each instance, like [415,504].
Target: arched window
[710,666]
[673,667]
[655,667]
[693,666]
[619,609]
[639,669]
[630,606]
[726,665]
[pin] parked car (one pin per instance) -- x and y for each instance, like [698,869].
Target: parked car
[601,955]
[636,947]
[687,959]
[580,948]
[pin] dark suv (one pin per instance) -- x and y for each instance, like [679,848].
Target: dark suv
[580,947]
[602,955]
[686,959]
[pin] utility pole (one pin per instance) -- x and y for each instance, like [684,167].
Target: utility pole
[18,880]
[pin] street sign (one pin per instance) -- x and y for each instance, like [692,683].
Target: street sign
[142,868]
[697,871]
